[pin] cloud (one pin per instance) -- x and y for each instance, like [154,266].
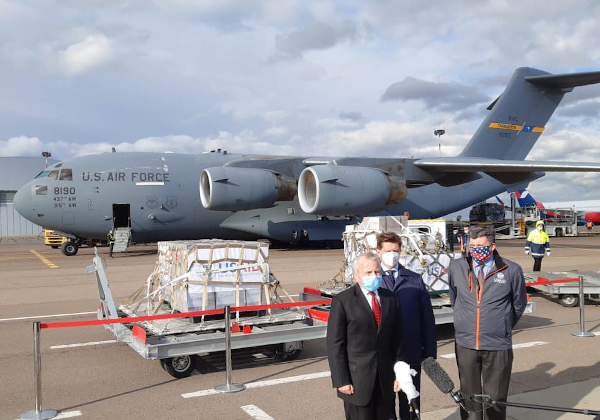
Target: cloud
[93,51]
[242,142]
[20,146]
[334,123]
[277,131]
[436,95]
[317,36]
[351,115]
[274,117]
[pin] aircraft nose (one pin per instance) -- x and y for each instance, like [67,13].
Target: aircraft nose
[23,202]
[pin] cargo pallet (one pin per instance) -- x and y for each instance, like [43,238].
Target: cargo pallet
[176,341]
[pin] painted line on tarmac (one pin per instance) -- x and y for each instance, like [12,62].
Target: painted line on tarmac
[91,343]
[256,413]
[515,346]
[44,259]
[261,384]
[67,415]
[45,316]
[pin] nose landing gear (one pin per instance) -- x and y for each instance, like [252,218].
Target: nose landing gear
[69,248]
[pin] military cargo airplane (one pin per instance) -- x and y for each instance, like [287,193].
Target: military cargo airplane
[167,196]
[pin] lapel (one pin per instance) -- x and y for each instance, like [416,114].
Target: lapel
[388,281]
[402,276]
[364,306]
[385,309]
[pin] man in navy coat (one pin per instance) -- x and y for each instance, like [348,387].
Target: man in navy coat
[419,340]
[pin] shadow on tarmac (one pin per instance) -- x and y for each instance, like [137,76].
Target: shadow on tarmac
[540,375]
[120,394]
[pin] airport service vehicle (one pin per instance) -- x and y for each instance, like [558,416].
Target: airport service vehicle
[64,241]
[567,293]
[53,239]
[487,213]
[167,196]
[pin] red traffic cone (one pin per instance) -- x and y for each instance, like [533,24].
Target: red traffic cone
[235,327]
[247,329]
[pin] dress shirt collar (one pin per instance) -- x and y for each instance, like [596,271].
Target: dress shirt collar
[367,295]
[487,266]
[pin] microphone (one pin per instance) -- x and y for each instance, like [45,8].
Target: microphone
[415,407]
[441,379]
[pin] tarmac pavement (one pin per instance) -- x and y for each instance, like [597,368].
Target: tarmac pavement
[86,374]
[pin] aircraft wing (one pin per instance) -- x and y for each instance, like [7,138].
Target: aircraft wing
[470,165]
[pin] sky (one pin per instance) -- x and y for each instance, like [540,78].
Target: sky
[315,78]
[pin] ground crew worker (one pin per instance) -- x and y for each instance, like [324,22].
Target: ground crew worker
[538,242]
[589,224]
[111,242]
[464,241]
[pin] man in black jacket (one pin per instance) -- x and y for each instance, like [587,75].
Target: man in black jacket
[364,336]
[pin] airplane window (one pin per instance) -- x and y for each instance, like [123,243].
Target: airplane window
[42,174]
[66,175]
[41,190]
[53,174]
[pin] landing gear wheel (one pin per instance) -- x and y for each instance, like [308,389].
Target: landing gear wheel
[180,366]
[569,300]
[285,355]
[69,248]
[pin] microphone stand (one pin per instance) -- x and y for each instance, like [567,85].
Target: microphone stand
[487,401]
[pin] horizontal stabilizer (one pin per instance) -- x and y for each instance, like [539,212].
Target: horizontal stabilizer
[465,164]
[570,80]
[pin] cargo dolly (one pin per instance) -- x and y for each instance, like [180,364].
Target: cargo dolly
[175,341]
[564,285]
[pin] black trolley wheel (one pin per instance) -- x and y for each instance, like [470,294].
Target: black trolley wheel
[179,366]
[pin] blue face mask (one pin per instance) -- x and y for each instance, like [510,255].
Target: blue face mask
[371,283]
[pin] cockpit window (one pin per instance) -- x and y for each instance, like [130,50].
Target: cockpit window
[41,190]
[42,174]
[65,175]
[53,174]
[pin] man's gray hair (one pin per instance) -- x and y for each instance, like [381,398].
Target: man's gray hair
[479,231]
[371,255]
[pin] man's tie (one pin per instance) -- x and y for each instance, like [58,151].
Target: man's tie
[480,275]
[376,308]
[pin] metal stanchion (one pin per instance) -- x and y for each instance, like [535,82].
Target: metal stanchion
[38,413]
[228,387]
[582,332]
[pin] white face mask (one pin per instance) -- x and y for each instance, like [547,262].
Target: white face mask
[390,259]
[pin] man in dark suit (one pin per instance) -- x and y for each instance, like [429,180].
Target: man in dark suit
[364,336]
[419,339]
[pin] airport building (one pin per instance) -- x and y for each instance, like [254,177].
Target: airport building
[14,173]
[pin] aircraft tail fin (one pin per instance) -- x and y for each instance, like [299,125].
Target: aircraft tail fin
[525,199]
[518,117]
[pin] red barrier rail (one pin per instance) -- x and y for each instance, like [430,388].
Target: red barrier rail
[544,280]
[180,315]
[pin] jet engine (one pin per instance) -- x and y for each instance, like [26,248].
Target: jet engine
[347,190]
[231,189]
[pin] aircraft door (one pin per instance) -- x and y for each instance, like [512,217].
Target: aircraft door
[121,216]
